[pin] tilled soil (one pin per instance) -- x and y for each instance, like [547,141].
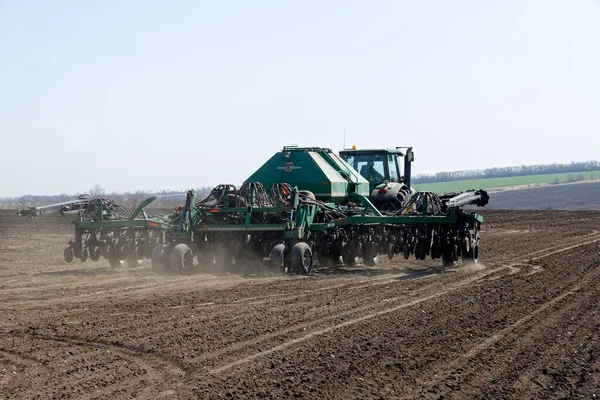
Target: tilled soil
[522,323]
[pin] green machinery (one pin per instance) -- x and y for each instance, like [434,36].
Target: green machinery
[105,228]
[308,201]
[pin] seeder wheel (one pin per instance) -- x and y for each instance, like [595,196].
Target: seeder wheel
[277,258]
[181,259]
[160,259]
[302,259]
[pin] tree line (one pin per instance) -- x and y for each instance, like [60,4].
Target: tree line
[503,172]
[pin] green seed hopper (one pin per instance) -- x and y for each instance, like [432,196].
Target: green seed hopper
[314,169]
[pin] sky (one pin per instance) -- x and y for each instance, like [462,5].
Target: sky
[151,95]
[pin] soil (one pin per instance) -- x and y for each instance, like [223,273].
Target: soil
[522,323]
[569,196]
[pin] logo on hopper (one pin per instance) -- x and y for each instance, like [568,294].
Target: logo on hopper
[289,167]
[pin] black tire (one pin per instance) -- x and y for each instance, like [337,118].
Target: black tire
[159,258]
[302,259]
[181,259]
[277,258]
[68,254]
[95,253]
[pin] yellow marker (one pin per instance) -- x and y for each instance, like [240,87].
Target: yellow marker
[353,147]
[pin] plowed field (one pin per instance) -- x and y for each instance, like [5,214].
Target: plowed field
[523,323]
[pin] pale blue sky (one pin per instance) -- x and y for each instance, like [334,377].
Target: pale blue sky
[172,95]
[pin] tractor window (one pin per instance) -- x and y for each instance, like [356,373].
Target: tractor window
[372,168]
[393,168]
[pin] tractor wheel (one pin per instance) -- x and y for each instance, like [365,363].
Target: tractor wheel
[68,253]
[181,259]
[160,259]
[302,259]
[95,253]
[277,258]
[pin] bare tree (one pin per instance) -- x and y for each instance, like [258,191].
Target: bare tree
[97,191]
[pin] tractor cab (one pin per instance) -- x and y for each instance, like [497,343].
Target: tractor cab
[379,165]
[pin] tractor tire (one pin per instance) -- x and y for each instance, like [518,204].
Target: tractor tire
[302,259]
[159,258]
[181,259]
[277,258]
